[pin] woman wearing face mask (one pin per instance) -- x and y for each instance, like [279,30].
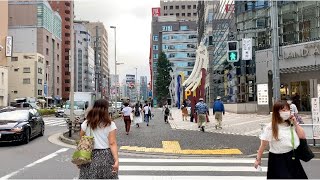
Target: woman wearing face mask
[281,164]
[294,111]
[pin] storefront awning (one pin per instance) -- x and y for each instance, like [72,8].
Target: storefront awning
[300,69]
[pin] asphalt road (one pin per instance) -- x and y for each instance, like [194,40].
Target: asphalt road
[40,159]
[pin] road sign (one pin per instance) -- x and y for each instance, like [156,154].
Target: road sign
[247,49]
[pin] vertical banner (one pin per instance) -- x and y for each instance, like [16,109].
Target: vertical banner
[263,97]
[315,117]
[247,49]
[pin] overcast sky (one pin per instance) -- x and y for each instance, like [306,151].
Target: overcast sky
[133,21]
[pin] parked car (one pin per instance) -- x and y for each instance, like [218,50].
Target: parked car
[20,125]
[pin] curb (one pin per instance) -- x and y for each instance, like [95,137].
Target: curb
[67,140]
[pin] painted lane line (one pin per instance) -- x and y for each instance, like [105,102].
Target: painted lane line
[252,132]
[54,124]
[242,160]
[127,177]
[192,168]
[50,156]
[54,120]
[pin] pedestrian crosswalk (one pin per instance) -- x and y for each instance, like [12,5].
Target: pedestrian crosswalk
[54,122]
[182,169]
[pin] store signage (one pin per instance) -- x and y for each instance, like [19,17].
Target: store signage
[9,46]
[247,49]
[155,12]
[263,96]
[315,117]
[311,49]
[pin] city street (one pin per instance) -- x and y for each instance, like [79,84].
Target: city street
[41,159]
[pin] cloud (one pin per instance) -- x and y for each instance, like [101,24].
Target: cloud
[133,21]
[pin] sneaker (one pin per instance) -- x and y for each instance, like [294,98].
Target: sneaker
[198,126]
[202,128]
[147,124]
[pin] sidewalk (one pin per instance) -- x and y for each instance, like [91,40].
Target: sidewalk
[236,124]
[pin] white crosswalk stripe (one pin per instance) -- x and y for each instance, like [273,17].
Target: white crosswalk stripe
[54,122]
[181,169]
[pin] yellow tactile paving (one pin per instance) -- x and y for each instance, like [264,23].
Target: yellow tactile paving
[173,147]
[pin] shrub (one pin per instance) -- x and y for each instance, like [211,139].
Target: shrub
[46,111]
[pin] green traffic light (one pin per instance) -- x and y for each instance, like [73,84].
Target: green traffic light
[233,56]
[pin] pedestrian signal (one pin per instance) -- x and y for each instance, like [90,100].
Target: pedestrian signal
[233,51]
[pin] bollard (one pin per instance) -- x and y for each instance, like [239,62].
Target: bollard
[70,128]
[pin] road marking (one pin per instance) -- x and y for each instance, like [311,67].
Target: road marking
[173,147]
[242,123]
[192,168]
[225,160]
[50,156]
[127,177]
[252,132]
[58,123]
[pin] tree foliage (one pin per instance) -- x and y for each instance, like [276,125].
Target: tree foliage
[163,78]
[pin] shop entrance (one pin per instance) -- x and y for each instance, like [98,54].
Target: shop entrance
[300,94]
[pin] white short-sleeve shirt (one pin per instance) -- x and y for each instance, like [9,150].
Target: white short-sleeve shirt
[146,109]
[127,111]
[284,144]
[100,135]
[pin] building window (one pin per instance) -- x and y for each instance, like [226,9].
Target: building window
[166,28]
[39,92]
[165,7]
[194,14]
[155,47]
[58,45]
[26,81]
[58,91]
[58,68]
[26,70]
[14,58]
[47,51]
[67,81]
[58,57]
[16,69]
[40,81]
[58,80]
[67,89]
[165,14]
[184,28]
[40,60]
[183,14]
[155,56]
[15,92]
[189,14]
[194,6]
[183,7]
[155,37]
[177,14]
[171,7]
[177,7]
[189,6]
[40,70]
[171,14]
[47,39]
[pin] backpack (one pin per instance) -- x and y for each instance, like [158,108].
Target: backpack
[167,111]
[149,111]
[137,112]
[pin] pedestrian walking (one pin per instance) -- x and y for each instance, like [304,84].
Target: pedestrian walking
[137,111]
[166,113]
[294,111]
[104,162]
[126,113]
[282,135]
[202,110]
[146,110]
[218,110]
[184,112]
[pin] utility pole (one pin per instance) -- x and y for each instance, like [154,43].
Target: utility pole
[71,91]
[96,58]
[115,63]
[275,51]
[137,96]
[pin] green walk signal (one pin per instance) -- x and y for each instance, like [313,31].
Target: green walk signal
[233,56]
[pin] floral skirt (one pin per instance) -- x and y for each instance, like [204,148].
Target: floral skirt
[100,166]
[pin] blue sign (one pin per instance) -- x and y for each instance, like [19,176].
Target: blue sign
[150,93]
[45,90]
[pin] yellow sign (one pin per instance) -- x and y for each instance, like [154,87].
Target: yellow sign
[173,147]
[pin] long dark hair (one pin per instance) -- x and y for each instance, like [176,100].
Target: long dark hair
[276,119]
[98,116]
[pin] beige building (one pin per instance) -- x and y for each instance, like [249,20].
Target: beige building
[3,58]
[183,10]
[36,28]
[102,54]
[27,75]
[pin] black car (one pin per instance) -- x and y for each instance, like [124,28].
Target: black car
[20,125]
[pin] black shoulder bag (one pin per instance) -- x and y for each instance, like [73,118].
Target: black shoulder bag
[303,152]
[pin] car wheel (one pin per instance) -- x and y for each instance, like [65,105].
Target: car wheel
[42,130]
[26,137]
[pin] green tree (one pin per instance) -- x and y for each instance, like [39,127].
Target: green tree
[163,78]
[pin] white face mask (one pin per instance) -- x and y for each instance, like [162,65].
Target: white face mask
[289,101]
[285,115]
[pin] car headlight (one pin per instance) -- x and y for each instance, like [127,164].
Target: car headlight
[17,129]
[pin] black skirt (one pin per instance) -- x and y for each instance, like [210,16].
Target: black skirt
[282,166]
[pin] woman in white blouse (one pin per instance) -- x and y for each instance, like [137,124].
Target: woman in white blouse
[281,162]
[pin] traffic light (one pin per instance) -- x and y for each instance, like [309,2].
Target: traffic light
[233,51]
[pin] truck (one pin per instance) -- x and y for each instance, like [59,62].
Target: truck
[82,101]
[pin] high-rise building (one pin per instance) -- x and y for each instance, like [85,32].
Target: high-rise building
[102,66]
[27,75]
[131,86]
[84,59]
[182,10]
[36,28]
[66,12]
[114,83]
[3,58]
[143,88]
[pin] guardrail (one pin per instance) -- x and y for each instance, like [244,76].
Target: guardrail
[308,129]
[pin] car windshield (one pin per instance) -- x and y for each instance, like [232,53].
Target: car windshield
[14,115]
[77,105]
